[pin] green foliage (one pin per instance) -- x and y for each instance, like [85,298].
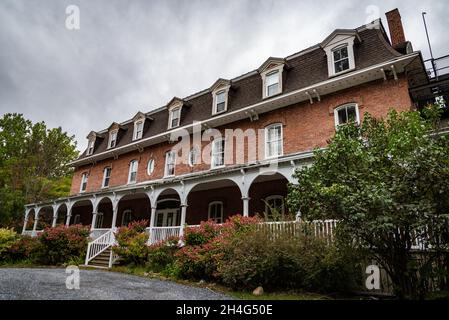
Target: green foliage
[62,244]
[33,165]
[161,256]
[284,263]
[7,238]
[23,249]
[386,181]
[132,243]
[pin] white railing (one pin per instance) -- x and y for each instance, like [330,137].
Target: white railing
[158,234]
[99,245]
[96,233]
[28,233]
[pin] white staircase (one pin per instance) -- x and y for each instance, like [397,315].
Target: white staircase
[99,251]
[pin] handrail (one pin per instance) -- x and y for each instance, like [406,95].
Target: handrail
[97,246]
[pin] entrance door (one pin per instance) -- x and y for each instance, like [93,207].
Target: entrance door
[167,218]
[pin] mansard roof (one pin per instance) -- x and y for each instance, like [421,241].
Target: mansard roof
[305,68]
[271,62]
[220,83]
[337,32]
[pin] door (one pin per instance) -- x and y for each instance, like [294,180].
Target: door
[167,218]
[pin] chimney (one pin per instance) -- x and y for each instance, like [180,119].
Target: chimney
[395,25]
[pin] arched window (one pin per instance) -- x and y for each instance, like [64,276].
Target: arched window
[99,220]
[77,219]
[274,207]
[126,217]
[216,211]
[346,113]
[150,167]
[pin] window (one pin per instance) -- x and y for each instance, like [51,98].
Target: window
[175,116]
[218,152]
[272,83]
[84,178]
[274,205]
[132,177]
[138,130]
[126,217]
[273,141]
[346,113]
[77,219]
[90,147]
[170,162]
[106,177]
[341,59]
[193,156]
[150,167]
[99,221]
[113,139]
[220,101]
[216,211]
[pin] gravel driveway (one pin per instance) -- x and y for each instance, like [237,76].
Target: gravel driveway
[18,283]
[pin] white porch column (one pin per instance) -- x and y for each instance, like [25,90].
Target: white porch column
[69,213]
[55,216]
[114,214]
[183,218]
[36,218]
[246,206]
[152,222]
[94,220]
[25,222]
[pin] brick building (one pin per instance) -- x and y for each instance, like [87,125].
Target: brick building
[232,148]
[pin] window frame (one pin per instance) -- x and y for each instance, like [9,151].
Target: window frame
[90,147]
[167,157]
[189,160]
[111,133]
[77,219]
[213,165]
[337,48]
[124,213]
[105,170]
[100,217]
[279,70]
[211,204]
[337,42]
[344,106]
[281,139]
[152,166]
[137,135]
[84,181]
[131,172]
[170,118]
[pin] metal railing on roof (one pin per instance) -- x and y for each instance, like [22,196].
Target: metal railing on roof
[437,67]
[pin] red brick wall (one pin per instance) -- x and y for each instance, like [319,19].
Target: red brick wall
[305,126]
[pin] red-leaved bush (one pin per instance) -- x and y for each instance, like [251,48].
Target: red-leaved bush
[132,243]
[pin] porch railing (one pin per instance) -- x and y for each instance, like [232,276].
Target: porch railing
[99,245]
[96,233]
[158,234]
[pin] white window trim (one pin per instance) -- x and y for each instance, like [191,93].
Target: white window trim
[210,206]
[225,90]
[129,171]
[84,177]
[135,135]
[280,69]
[90,147]
[212,162]
[110,138]
[77,219]
[267,128]
[170,117]
[104,177]
[339,42]
[345,106]
[274,197]
[127,211]
[166,164]
[150,172]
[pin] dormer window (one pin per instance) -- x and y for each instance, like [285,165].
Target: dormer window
[339,48]
[112,139]
[90,147]
[341,59]
[220,101]
[220,93]
[175,117]
[138,130]
[271,73]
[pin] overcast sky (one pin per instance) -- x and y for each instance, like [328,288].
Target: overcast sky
[131,56]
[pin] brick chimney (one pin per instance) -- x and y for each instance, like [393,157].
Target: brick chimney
[395,25]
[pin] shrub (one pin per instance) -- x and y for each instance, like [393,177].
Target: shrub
[7,239]
[286,262]
[132,243]
[23,249]
[161,256]
[62,244]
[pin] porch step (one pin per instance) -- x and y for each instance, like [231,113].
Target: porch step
[102,260]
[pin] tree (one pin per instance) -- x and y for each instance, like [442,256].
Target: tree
[387,182]
[33,165]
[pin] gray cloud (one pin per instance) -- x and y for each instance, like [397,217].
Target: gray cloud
[137,55]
